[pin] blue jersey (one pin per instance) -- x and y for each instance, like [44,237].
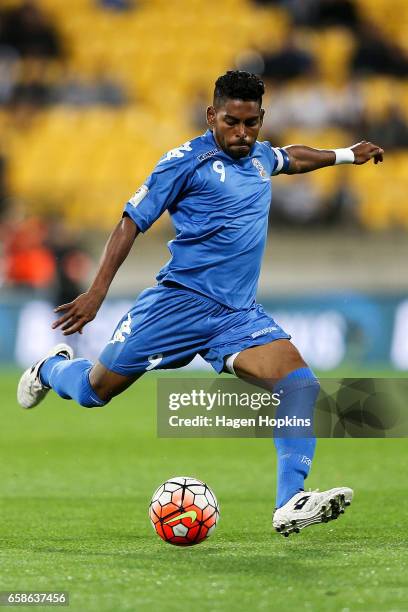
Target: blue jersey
[219,207]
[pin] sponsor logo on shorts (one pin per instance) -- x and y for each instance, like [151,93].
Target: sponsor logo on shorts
[262,332]
[123,331]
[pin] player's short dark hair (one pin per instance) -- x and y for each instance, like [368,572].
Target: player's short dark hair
[238,85]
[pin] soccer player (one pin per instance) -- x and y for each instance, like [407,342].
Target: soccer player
[217,190]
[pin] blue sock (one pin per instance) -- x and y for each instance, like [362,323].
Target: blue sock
[70,379]
[295,446]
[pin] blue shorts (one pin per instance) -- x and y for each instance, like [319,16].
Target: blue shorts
[168,326]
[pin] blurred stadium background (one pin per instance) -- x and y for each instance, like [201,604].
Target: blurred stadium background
[93,92]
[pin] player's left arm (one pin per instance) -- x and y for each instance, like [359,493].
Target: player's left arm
[306,159]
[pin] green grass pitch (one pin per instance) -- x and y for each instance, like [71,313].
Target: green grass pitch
[75,488]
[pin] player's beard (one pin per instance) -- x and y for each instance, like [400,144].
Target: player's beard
[232,151]
[236,152]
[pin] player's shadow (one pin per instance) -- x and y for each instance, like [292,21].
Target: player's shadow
[217,560]
[237,555]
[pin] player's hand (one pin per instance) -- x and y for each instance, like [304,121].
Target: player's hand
[364,151]
[77,314]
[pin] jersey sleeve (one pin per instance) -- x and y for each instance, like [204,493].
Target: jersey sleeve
[162,188]
[279,159]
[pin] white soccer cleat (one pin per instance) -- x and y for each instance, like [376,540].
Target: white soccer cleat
[308,508]
[30,390]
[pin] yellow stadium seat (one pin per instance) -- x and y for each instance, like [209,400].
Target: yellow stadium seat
[165,53]
[378,94]
[332,49]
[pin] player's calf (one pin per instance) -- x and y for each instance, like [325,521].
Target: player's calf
[298,389]
[78,379]
[71,381]
[68,377]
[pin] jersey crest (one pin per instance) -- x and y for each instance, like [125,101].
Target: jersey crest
[260,168]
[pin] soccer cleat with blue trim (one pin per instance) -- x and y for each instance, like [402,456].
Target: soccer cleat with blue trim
[310,508]
[30,390]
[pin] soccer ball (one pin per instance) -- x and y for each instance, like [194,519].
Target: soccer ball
[184,511]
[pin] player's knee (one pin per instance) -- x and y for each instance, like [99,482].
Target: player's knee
[299,370]
[290,361]
[286,361]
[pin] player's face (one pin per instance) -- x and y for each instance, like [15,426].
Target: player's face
[235,125]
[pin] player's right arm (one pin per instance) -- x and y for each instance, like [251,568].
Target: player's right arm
[162,189]
[75,315]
